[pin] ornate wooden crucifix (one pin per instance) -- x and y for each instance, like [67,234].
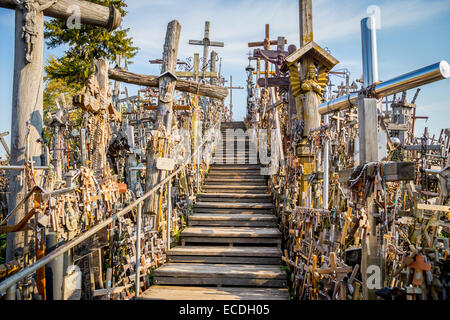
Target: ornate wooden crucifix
[206,43]
[267,43]
[27,104]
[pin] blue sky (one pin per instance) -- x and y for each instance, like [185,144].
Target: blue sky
[414,33]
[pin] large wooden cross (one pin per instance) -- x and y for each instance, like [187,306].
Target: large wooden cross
[27,103]
[206,43]
[231,88]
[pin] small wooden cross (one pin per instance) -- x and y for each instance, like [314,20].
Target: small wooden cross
[338,121]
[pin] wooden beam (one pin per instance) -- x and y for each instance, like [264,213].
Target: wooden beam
[202,89]
[90,13]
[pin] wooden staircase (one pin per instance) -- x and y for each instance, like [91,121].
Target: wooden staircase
[231,247]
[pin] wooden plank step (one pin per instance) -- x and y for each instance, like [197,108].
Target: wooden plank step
[224,182]
[227,260]
[231,232]
[236,195]
[225,171]
[231,205]
[232,220]
[232,211]
[237,187]
[203,197]
[220,274]
[212,293]
[224,217]
[235,166]
[226,251]
[221,254]
[229,175]
[210,188]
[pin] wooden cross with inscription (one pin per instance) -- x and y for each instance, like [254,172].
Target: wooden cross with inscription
[28,81]
[231,88]
[206,43]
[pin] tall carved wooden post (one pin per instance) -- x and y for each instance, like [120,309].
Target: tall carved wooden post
[308,86]
[167,82]
[27,103]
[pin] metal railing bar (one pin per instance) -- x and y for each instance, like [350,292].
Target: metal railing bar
[69,245]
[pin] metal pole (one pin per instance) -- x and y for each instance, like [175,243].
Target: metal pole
[54,270]
[138,248]
[326,178]
[369,50]
[11,292]
[169,212]
[198,172]
[83,147]
[407,81]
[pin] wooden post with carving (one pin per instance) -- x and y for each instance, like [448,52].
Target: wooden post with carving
[167,82]
[27,102]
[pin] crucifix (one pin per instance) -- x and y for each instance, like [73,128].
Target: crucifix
[267,43]
[27,103]
[231,88]
[206,43]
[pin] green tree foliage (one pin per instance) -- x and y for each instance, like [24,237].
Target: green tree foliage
[85,45]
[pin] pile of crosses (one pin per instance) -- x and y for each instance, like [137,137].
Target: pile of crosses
[363,203]
[119,148]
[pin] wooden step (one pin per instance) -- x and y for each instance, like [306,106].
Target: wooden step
[228,189]
[234,189]
[228,175]
[212,293]
[231,235]
[224,166]
[220,254]
[236,195]
[232,211]
[224,171]
[232,181]
[220,274]
[231,205]
[205,198]
[232,220]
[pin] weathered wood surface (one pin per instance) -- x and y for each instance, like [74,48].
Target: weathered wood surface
[213,270]
[226,251]
[166,85]
[233,211]
[90,13]
[231,232]
[202,89]
[27,105]
[392,171]
[208,293]
[229,217]
[235,205]
[232,214]
[236,195]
